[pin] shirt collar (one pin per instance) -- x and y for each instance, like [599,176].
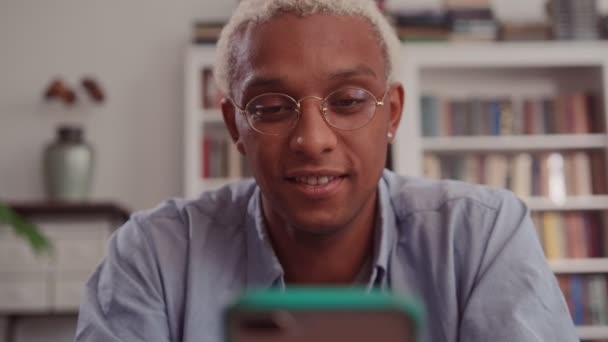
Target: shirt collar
[264,268]
[386,231]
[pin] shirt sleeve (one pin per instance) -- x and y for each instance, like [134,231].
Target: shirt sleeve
[516,296]
[123,299]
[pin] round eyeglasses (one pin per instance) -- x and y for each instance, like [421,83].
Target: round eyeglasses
[346,109]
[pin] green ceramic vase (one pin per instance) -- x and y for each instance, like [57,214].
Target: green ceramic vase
[68,166]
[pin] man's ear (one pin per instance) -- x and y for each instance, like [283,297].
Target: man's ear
[229,113]
[396,101]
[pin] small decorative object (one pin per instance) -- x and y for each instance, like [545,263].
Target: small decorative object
[574,19]
[68,165]
[93,89]
[68,162]
[59,90]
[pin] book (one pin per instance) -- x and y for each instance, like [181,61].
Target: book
[521,183]
[496,171]
[421,25]
[581,175]
[598,172]
[595,232]
[554,235]
[468,5]
[205,32]
[430,107]
[596,300]
[574,19]
[512,31]
[577,294]
[564,284]
[576,243]
[431,166]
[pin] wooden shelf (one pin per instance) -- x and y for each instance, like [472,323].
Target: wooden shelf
[593,202]
[515,143]
[596,265]
[83,209]
[592,332]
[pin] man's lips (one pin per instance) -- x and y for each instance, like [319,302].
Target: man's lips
[296,173]
[315,180]
[317,185]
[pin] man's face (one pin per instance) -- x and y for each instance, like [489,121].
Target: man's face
[313,56]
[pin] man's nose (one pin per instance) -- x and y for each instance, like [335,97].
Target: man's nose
[312,135]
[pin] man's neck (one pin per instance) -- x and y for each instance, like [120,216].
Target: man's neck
[324,260]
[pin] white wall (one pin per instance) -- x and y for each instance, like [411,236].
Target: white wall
[136,49]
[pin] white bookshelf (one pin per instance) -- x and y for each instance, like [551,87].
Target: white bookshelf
[199,121]
[595,202]
[197,58]
[515,143]
[518,70]
[592,332]
[579,266]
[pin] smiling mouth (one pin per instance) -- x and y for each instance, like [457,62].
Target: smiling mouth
[314,180]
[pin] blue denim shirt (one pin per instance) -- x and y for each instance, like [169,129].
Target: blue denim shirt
[469,252]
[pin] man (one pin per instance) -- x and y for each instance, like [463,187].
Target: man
[312,103]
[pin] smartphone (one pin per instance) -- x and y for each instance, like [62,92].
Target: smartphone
[322,315]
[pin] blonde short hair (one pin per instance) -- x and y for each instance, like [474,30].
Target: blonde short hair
[260,11]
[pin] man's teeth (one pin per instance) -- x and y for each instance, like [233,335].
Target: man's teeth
[311,180]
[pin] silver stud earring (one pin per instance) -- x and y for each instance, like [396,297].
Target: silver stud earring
[389,135]
[299,140]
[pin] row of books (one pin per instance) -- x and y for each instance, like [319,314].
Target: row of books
[470,20]
[206,32]
[575,19]
[572,234]
[586,297]
[219,156]
[547,174]
[458,20]
[565,114]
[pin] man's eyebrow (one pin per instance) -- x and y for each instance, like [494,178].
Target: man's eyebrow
[255,81]
[353,72]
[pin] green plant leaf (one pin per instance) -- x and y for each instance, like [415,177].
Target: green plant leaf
[28,231]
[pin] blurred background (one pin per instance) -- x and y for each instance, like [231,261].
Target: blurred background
[110,107]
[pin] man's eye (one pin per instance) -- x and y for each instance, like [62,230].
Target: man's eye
[277,110]
[268,110]
[346,102]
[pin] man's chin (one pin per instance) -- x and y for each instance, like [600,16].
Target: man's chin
[317,228]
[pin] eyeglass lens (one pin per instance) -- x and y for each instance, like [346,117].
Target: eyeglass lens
[345,109]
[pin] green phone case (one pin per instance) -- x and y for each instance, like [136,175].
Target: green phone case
[326,299]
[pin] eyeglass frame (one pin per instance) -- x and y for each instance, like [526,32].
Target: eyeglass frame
[323,109]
